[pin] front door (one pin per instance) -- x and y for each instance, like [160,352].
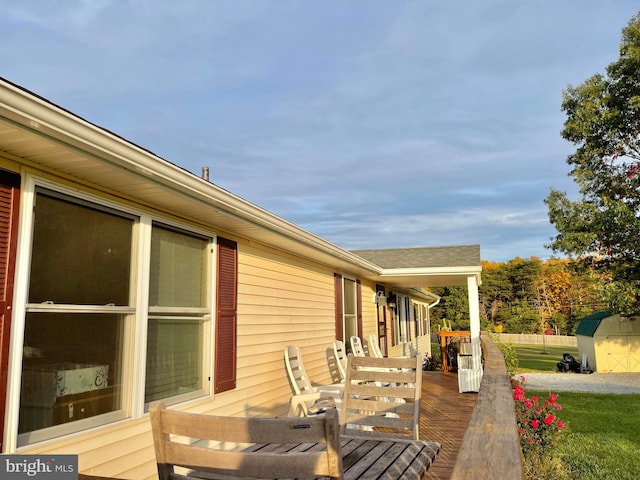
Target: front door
[9,202]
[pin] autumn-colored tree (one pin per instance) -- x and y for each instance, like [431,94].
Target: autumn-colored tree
[602,226]
[525,296]
[553,287]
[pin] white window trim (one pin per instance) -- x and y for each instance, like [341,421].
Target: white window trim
[206,314]
[344,314]
[136,314]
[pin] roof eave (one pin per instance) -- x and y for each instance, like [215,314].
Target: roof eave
[47,120]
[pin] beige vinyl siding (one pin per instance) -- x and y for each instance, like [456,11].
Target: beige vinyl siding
[281,300]
[123,450]
[369,314]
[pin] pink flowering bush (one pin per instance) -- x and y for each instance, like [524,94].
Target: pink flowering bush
[538,422]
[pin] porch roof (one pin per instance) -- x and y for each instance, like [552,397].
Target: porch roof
[427,266]
[35,132]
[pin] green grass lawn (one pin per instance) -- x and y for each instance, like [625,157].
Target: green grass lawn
[538,358]
[601,440]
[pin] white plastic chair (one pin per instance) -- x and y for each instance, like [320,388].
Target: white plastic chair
[374,347]
[356,346]
[307,396]
[298,375]
[340,355]
[470,369]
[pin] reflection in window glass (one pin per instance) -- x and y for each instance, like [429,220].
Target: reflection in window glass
[174,358]
[177,295]
[177,269]
[73,339]
[71,368]
[80,255]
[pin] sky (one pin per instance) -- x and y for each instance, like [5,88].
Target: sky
[371,123]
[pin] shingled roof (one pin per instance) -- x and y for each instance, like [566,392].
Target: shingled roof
[423,257]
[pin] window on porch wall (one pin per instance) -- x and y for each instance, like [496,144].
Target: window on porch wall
[81,315]
[424,318]
[420,315]
[401,320]
[78,305]
[411,319]
[177,313]
[348,307]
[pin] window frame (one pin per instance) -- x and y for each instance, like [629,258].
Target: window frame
[135,315]
[203,314]
[340,320]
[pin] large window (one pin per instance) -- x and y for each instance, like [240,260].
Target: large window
[86,312]
[178,310]
[78,307]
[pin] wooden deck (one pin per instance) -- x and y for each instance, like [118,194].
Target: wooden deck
[444,417]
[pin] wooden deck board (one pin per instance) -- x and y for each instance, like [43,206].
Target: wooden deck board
[444,416]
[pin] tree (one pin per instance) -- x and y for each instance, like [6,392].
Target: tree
[453,308]
[602,226]
[495,290]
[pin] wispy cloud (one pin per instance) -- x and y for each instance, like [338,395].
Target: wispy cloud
[371,123]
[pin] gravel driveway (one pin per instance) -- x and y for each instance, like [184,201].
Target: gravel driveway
[582,382]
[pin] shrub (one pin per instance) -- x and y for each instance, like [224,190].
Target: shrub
[509,353]
[538,427]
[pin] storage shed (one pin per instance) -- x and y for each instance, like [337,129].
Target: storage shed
[611,342]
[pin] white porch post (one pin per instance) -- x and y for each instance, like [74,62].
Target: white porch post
[474,308]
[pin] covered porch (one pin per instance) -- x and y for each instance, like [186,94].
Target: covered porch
[444,417]
[477,431]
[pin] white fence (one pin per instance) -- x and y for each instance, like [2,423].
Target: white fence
[531,339]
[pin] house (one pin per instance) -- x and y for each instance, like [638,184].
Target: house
[127,279]
[611,342]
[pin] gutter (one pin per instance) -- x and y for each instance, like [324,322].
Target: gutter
[48,120]
[435,297]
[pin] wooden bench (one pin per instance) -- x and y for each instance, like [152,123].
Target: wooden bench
[213,447]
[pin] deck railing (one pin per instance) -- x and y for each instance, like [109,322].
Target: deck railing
[491,446]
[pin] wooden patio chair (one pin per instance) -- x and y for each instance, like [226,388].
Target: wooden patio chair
[382,397]
[356,346]
[197,443]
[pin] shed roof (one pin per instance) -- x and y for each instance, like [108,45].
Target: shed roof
[589,324]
